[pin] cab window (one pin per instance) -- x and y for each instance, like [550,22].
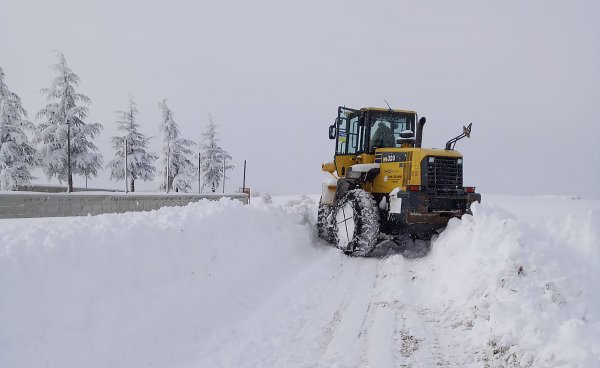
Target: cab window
[385,129]
[342,138]
[353,136]
[349,132]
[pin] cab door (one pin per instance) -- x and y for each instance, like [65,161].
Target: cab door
[349,142]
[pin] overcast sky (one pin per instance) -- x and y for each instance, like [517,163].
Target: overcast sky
[272,73]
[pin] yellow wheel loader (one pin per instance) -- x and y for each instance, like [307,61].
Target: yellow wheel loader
[385,185]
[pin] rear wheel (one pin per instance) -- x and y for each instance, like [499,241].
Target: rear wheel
[324,223]
[356,223]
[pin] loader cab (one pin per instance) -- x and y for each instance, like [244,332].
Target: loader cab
[385,129]
[358,133]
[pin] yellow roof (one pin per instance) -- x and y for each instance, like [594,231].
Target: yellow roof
[386,109]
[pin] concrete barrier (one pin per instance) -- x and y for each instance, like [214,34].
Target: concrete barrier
[62,189]
[24,205]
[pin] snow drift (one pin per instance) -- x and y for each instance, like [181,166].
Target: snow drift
[521,295]
[139,289]
[223,284]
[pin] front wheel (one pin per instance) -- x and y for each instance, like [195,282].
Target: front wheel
[356,223]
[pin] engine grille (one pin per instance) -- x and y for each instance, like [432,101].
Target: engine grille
[444,176]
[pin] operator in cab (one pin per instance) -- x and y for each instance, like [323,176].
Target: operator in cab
[383,136]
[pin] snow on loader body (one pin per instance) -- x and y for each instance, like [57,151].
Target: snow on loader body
[384,184]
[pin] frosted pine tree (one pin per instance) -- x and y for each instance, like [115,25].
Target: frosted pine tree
[212,157]
[66,147]
[178,159]
[140,162]
[17,155]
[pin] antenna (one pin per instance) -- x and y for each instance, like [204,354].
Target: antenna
[387,104]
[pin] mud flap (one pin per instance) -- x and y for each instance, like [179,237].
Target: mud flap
[395,203]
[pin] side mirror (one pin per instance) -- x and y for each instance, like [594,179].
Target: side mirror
[467,130]
[332,132]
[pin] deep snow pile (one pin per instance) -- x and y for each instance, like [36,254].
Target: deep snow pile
[528,292]
[140,289]
[223,284]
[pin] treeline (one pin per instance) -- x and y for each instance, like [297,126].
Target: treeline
[62,143]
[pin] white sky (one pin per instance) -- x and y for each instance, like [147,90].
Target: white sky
[272,73]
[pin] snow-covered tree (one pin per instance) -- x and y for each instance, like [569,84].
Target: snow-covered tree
[267,198]
[65,139]
[212,157]
[140,162]
[178,159]
[17,155]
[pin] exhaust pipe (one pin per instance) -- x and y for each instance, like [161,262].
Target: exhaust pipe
[419,134]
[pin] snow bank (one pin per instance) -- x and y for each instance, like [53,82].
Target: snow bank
[223,284]
[523,295]
[141,289]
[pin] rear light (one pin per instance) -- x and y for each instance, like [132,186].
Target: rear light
[414,188]
[469,189]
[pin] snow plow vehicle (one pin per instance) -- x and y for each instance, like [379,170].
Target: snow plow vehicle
[384,185]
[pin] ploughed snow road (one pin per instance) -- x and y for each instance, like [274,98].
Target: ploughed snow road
[227,285]
[332,314]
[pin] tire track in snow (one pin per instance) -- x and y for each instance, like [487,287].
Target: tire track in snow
[337,320]
[305,313]
[434,343]
[262,338]
[422,338]
[332,313]
[341,334]
[346,325]
[379,336]
[378,329]
[312,326]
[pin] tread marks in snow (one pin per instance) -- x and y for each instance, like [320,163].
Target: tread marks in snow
[318,332]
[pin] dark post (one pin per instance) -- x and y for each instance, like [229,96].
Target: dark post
[168,163]
[223,175]
[69,175]
[244,182]
[125,154]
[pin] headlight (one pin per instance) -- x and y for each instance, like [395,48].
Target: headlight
[431,159]
[459,161]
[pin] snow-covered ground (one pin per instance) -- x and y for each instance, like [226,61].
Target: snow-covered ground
[220,284]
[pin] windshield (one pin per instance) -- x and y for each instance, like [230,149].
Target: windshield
[386,129]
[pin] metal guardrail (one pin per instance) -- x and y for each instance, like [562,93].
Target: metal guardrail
[27,205]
